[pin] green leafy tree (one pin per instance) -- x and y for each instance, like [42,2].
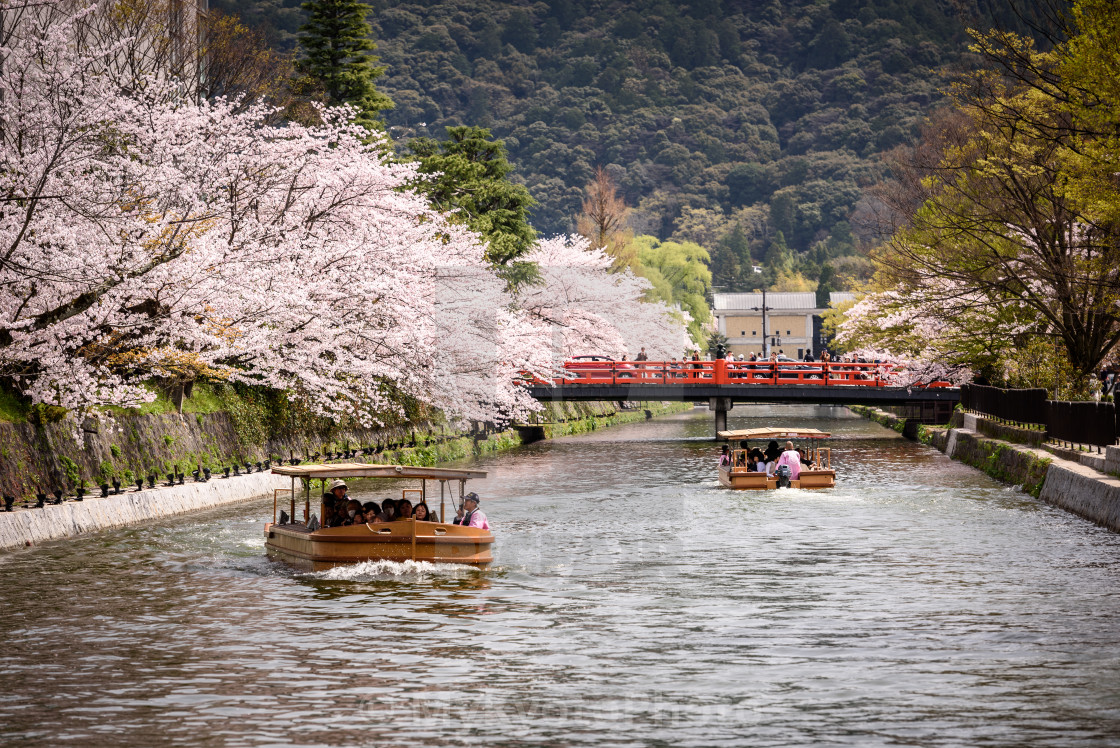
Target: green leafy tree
[338,57]
[1089,89]
[469,174]
[825,286]
[680,275]
[717,343]
[778,261]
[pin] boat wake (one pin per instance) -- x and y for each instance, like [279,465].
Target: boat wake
[367,571]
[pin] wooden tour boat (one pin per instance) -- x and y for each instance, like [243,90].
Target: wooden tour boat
[317,548]
[740,474]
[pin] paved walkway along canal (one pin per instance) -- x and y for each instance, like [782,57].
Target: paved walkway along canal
[632,602]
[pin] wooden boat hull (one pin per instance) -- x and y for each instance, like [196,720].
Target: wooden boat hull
[741,479]
[403,540]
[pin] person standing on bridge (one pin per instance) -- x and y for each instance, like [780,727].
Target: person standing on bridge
[642,355]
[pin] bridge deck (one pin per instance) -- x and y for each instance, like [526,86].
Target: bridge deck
[771,393]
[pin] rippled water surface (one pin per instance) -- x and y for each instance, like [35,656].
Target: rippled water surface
[632,602]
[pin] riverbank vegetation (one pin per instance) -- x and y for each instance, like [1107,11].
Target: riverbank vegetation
[1003,241]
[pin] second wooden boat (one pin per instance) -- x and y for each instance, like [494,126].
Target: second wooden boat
[740,474]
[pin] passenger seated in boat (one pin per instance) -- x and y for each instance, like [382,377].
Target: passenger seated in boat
[806,463]
[725,457]
[328,510]
[791,459]
[353,509]
[773,451]
[371,505]
[741,458]
[404,508]
[421,513]
[388,510]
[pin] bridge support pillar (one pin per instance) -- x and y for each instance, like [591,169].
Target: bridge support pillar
[720,405]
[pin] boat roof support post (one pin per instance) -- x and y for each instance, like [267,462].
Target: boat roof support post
[292,516]
[307,502]
[442,485]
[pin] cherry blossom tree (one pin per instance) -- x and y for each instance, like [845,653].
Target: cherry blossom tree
[896,327]
[590,310]
[143,234]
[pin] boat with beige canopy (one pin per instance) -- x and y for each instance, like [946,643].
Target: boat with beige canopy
[740,473]
[307,545]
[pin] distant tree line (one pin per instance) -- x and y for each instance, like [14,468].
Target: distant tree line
[722,124]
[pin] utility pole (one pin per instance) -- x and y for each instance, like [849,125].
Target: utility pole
[765,337]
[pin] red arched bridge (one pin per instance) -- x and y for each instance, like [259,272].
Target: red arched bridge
[722,383]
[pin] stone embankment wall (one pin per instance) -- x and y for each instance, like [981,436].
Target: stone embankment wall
[39,458]
[45,457]
[52,522]
[1083,483]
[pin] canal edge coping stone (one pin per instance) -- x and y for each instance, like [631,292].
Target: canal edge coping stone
[25,527]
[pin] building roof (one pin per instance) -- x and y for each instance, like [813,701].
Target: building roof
[774,433]
[367,470]
[777,301]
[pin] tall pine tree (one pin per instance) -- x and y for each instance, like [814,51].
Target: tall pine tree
[338,56]
[469,173]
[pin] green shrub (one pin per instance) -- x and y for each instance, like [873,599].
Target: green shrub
[73,473]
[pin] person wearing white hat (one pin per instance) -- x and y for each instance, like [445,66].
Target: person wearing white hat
[339,488]
[335,501]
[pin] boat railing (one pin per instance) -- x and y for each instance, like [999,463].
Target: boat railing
[276,502]
[740,463]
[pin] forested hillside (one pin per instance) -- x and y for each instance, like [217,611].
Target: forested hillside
[749,127]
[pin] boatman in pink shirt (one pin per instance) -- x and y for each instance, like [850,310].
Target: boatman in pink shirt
[792,460]
[469,515]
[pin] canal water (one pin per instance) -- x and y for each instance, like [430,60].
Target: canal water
[632,602]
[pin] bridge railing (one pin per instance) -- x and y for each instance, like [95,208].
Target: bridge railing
[722,372]
[639,372]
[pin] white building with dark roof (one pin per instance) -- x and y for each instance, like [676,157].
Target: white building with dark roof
[793,321]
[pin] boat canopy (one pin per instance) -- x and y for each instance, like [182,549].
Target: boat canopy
[774,434]
[366,470]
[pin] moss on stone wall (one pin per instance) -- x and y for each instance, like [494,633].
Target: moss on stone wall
[880,417]
[47,456]
[1003,461]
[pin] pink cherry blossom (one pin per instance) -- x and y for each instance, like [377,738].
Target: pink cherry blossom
[141,230]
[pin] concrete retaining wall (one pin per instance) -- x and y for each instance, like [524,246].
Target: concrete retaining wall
[1083,491]
[29,526]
